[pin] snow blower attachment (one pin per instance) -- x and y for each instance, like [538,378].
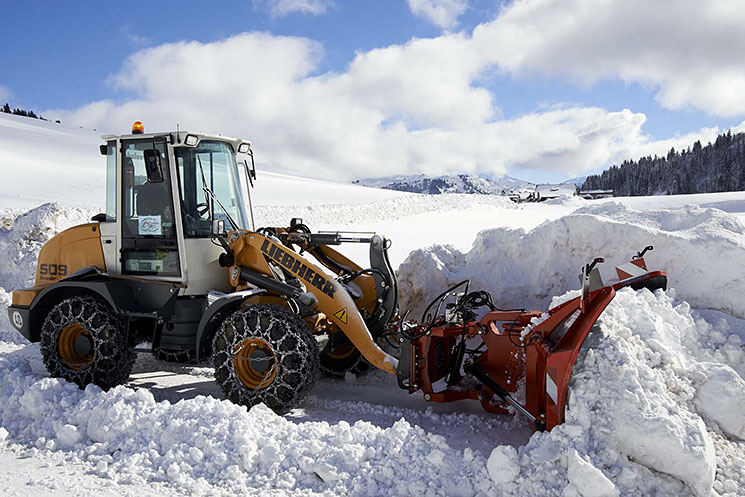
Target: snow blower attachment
[454,356]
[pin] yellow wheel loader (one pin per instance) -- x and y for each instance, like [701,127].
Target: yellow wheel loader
[274,305]
[160,267]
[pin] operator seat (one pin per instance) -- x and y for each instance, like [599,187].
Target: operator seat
[153,199]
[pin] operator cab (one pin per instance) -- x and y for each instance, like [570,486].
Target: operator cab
[163,192]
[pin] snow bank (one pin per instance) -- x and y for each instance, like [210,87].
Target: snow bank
[702,249]
[202,442]
[21,238]
[379,210]
[658,381]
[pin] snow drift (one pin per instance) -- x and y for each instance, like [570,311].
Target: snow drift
[702,249]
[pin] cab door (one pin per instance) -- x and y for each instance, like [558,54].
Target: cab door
[108,225]
[149,242]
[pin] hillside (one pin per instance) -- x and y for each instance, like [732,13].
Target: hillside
[50,162]
[717,167]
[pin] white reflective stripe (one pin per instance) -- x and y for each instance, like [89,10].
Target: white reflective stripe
[629,270]
[551,389]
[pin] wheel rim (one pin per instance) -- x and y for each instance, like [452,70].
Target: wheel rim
[75,346]
[255,363]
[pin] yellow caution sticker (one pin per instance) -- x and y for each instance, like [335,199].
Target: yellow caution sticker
[342,315]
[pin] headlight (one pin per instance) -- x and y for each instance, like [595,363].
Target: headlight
[191,140]
[243,148]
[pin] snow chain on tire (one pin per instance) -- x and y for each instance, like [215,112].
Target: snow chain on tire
[280,346]
[105,359]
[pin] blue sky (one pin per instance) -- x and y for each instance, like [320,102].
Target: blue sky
[60,57]
[82,42]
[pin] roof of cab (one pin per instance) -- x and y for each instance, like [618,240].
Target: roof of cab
[178,137]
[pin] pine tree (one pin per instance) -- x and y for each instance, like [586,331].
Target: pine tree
[698,169]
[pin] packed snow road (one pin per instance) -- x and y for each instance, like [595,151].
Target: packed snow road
[658,371]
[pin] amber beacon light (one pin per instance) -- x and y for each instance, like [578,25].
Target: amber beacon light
[138,128]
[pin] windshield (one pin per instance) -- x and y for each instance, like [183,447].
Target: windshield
[223,177]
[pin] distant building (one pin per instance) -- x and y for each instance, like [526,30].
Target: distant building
[545,192]
[595,194]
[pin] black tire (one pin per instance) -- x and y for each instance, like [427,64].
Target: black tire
[176,356]
[84,341]
[340,357]
[265,353]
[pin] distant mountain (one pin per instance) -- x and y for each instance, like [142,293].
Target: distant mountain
[717,167]
[454,183]
[578,181]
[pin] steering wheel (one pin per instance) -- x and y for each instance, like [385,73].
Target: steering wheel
[202,209]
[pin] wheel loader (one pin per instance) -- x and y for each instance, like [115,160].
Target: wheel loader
[176,262]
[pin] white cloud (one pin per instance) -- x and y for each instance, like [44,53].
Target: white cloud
[132,37]
[441,13]
[5,93]
[740,128]
[282,8]
[400,109]
[428,81]
[691,52]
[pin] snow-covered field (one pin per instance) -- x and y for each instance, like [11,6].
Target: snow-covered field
[657,404]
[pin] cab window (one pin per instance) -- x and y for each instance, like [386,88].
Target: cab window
[148,230]
[147,205]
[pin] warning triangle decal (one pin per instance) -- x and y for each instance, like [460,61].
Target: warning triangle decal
[342,315]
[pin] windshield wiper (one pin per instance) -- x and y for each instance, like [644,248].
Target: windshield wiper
[209,193]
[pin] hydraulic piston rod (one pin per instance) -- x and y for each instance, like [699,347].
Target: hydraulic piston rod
[478,373]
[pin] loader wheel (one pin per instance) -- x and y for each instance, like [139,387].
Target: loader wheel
[265,353]
[84,341]
[340,357]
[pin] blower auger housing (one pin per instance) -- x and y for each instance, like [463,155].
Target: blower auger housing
[273,306]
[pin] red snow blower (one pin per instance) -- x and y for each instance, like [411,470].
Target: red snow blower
[455,356]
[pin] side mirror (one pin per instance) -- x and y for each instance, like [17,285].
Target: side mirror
[250,172]
[218,227]
[153,166]
[103,149]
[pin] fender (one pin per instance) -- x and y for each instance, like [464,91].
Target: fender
[253,250]
[216,312]
[31,319]
[128,297]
